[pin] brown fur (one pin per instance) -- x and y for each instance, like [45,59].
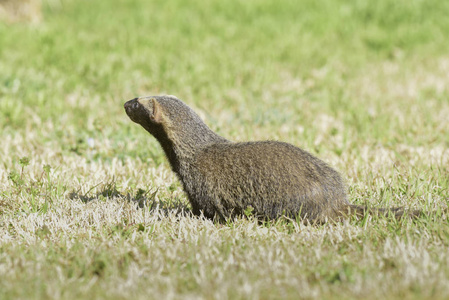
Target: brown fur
[223,179]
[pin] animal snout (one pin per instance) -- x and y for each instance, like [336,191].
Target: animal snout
[131,105]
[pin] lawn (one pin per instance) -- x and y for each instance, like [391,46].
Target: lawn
[89,207]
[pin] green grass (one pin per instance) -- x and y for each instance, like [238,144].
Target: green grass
[94,210]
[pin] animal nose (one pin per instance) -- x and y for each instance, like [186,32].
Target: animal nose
[131,104]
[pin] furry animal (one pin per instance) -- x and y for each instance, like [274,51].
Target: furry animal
[225,179]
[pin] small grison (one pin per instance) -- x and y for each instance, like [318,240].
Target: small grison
[224,179]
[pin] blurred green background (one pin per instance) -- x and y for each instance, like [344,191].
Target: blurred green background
[262,62]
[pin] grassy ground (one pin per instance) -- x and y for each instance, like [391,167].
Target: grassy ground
[361,84]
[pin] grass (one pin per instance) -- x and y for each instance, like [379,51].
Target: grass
[90,208]
[20,11]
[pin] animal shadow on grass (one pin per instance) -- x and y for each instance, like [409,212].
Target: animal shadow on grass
[143,199]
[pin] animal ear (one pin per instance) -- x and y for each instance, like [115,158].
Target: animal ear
[156,115]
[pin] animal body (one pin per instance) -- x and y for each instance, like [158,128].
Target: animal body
[224,179]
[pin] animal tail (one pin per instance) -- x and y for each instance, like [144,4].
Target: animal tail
[396,212]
